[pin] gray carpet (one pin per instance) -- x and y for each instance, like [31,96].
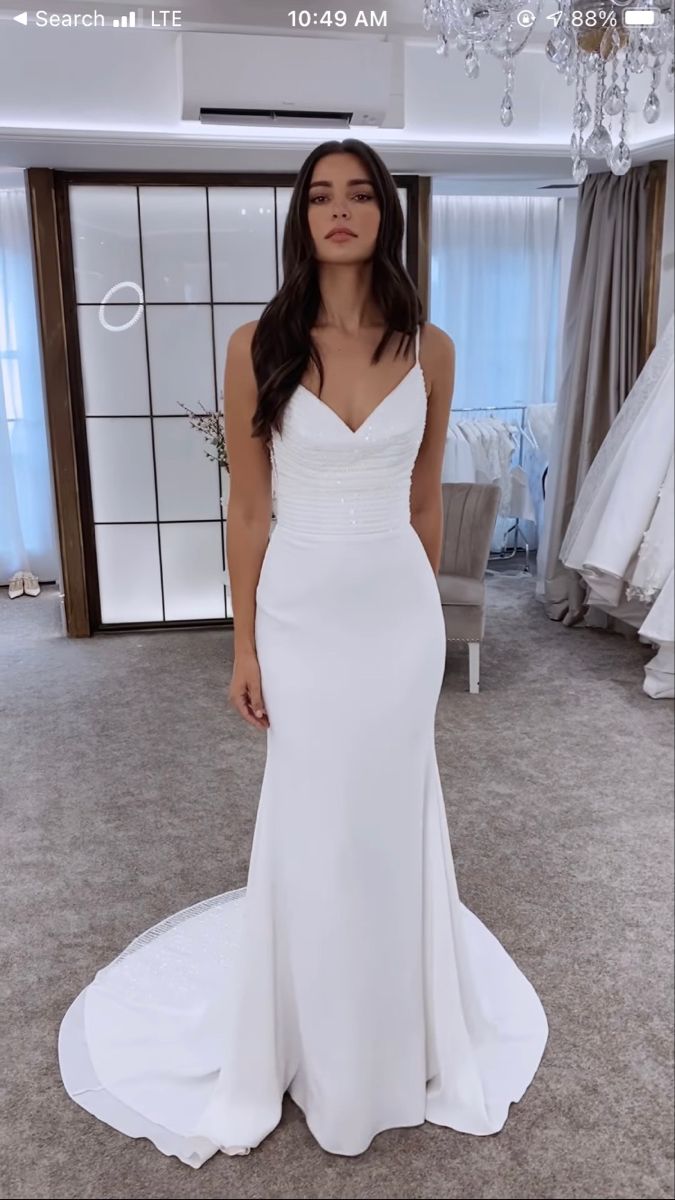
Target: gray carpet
[129,790]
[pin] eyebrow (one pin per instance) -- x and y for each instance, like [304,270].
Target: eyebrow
[327,182]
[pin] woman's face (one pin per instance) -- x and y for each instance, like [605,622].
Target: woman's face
[341,195]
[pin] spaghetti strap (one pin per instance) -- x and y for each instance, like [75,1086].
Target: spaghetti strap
[417,344]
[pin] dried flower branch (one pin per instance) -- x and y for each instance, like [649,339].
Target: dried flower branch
[212,426]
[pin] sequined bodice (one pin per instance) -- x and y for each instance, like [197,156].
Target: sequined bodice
[332,481]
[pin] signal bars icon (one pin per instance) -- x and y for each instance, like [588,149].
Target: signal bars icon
[125,22]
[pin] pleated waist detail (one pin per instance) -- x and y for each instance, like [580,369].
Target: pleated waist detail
[343,491]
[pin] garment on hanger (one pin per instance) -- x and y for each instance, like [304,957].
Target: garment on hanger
[490,434]
[520,495]
[480,450]
[505,440]
[620,535]
[458,464]
[492,444]
[657,628]
[482,465]
[539,420]
[657,549]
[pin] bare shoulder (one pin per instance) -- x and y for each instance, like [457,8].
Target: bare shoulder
[436,343]
[437,359]
[239,372]
[242,336]
[240,382]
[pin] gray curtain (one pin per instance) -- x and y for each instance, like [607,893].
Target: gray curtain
[601,358]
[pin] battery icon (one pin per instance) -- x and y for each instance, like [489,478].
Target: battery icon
[639,16]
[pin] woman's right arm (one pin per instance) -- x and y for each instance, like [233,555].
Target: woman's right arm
[249,516]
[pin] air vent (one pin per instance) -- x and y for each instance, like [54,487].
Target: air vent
[270,116]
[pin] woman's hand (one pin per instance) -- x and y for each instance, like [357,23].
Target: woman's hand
[245,693]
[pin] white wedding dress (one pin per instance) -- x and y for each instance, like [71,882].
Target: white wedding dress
[621,534]
[347,972]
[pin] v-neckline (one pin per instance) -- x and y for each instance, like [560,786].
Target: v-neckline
[370,416]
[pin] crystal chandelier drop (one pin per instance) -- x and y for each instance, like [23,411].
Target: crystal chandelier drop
[587,38]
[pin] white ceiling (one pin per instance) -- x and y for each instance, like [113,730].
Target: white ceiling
[103,100]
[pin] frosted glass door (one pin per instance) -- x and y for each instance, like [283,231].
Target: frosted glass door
[163,275]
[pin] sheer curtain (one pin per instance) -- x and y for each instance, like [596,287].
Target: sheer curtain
[27,532]
[497,288]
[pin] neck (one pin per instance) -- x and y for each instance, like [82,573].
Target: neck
[346,298]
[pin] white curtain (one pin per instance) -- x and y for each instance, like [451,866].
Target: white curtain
[27,532]
[498,281]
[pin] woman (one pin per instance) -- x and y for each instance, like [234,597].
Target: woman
[348,972]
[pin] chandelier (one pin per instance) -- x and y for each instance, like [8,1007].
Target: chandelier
[611,40]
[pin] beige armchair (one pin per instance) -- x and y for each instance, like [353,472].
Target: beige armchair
[469,513]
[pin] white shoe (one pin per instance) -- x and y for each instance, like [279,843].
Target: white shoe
[16,585]
[31,585]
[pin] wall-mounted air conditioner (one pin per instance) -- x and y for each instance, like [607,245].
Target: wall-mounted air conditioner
[250,79]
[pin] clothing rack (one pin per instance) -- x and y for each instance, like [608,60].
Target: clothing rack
[502,555]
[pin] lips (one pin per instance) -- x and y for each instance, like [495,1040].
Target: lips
[340,233]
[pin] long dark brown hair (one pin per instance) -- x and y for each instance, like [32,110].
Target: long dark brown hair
[282,341]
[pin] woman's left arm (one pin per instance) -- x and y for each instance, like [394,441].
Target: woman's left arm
[437,359]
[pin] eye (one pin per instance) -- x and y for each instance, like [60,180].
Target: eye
[321,196]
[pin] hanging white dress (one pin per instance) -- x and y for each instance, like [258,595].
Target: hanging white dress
[458,464]
[657,548]
[620,535]
[652,581]
[347,972]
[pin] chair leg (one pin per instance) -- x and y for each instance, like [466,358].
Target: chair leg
[474,666]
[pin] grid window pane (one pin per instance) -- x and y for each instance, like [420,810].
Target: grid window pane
[192,565]
[114,374]
[242,243]
[174,231]
[106,243]
[188,484]
[180,354]
[121,469]
[128,573]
